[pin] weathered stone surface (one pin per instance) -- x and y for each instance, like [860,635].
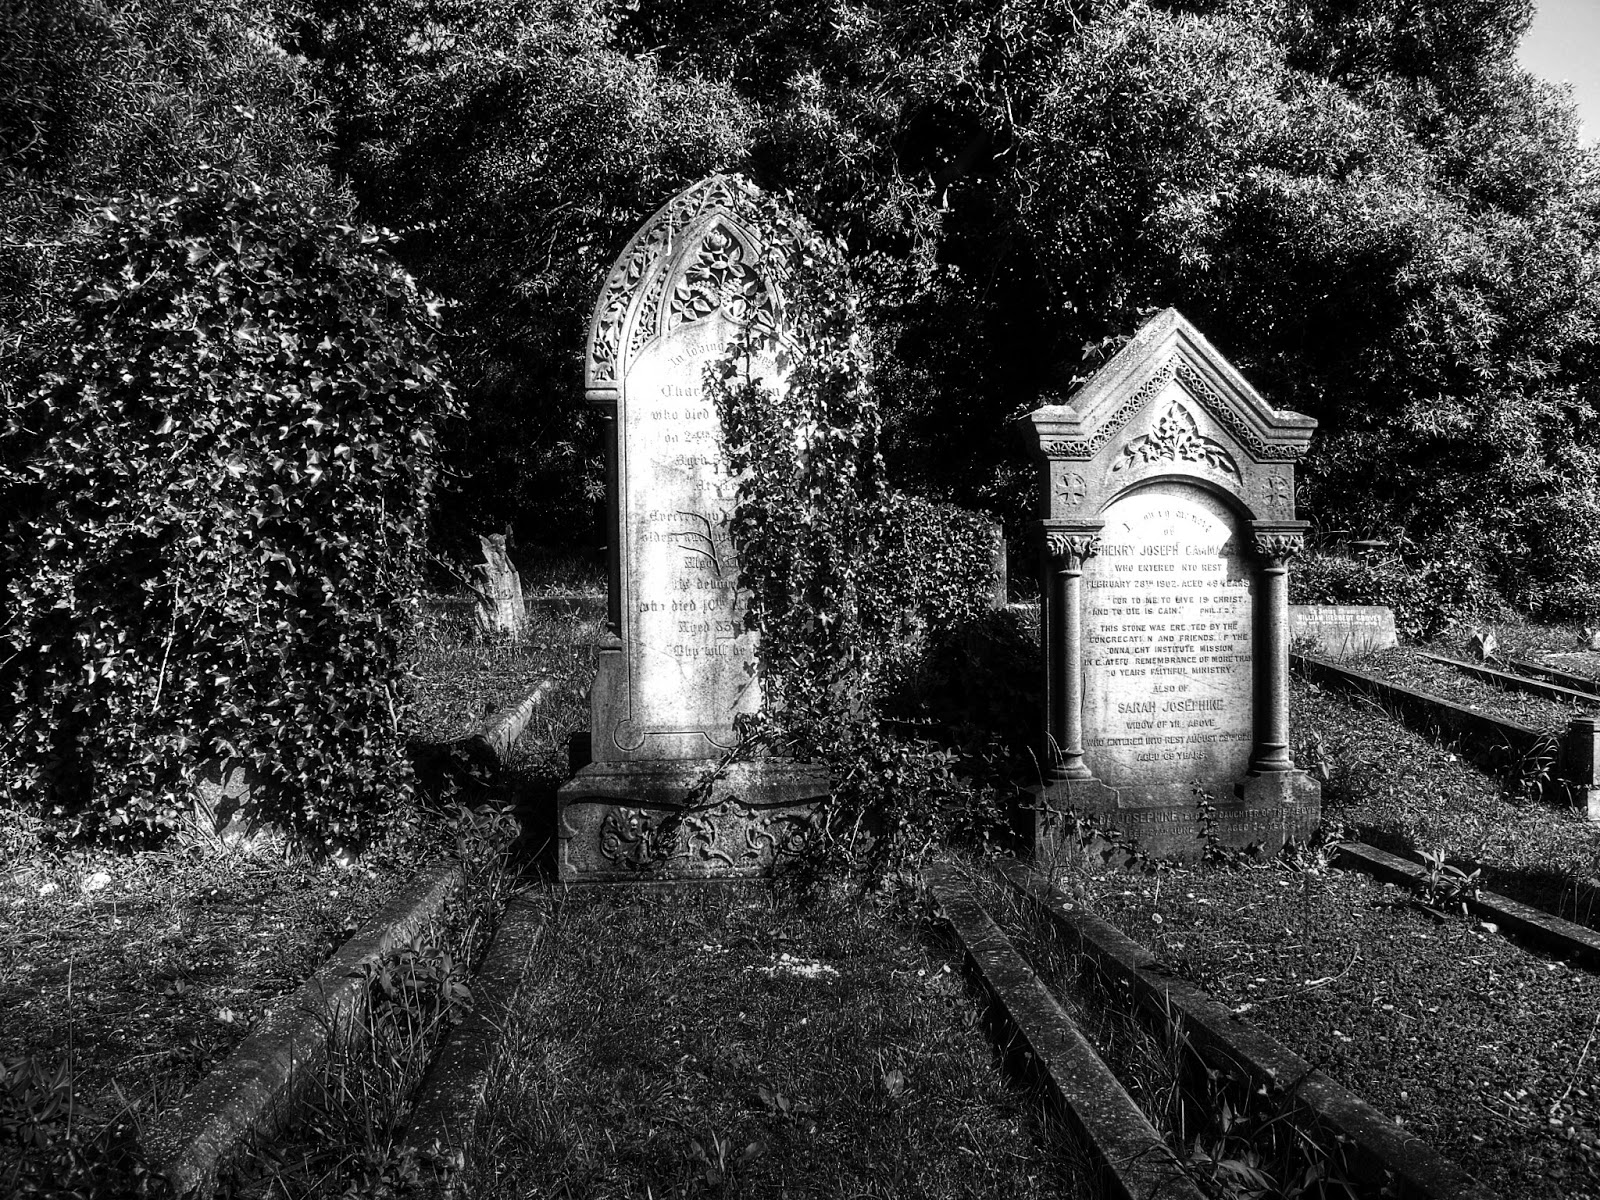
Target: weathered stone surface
[1343,630]
[250,1094]
[1379,1145]
[1135,1163]
[1168,522]
[677,666]
[498,611]
[1168,621]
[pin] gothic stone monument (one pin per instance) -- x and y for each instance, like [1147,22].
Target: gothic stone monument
[676,665]
[1167,488]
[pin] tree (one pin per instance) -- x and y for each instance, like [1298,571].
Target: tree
[515,146]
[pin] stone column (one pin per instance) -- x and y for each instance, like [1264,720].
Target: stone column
[1066,550]
[1276,544]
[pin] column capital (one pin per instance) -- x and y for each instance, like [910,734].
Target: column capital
[1279,541]
[1069,543]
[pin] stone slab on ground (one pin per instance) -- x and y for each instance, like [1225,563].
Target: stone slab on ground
[1136,1162]
[1379,1143]
[446,1105]
[1343,630]
[249,1095]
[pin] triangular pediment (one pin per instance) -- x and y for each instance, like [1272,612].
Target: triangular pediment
[1168,350]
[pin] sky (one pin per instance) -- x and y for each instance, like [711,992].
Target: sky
[1564,45]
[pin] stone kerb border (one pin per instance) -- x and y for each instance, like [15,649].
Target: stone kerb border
[250,1094]
[1550,931]
[445,1108]
[1135,1163]
[1520,683]
[1379,1144]
[1578,754]
[1421,710]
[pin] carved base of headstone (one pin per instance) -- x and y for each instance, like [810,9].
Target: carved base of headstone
[1265,811]
[629,821]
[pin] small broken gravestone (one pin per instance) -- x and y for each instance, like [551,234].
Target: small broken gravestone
[499,612]
[676,666]
[1342,630]
[1167,488]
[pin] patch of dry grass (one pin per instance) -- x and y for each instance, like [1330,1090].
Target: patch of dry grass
[730,1042]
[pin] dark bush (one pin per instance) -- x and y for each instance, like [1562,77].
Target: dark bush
[219,490]
[1428,594]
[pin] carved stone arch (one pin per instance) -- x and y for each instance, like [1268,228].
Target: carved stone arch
[628,309]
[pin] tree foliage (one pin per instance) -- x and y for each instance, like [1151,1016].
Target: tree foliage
[224,472]
[1365,202]
[516,145]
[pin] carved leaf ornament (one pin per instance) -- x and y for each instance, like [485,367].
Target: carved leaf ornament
[732,833]
[718,278]
[1176,438]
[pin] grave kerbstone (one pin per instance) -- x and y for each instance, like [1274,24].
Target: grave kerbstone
[1343,630]
[1167,488]
[659,796]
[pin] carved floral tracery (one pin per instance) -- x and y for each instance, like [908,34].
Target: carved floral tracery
[1176,438]
[648,255]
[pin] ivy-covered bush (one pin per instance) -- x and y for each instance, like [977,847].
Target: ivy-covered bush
[1428,595]
[216,498]
[850,583]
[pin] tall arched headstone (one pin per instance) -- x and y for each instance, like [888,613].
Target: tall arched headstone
[677,665]
[1167,493]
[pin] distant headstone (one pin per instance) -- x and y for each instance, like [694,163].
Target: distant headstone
[498,612]
[1343,630]
[1167,487]
[677,665]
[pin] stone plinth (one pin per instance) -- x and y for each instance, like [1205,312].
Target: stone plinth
[1167,496]
[676,666]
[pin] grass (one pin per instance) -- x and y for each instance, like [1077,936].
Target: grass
[1483,1048]
[1406,793]
[741,1042]
[133,974]
[1209,1113]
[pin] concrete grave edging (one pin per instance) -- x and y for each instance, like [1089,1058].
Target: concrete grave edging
[1550,931]
[1424,1173]
[1577,752]
[1136,1163]
[503,727]
[1422,710]
[1513,682]
[248,1095]
[444,1107]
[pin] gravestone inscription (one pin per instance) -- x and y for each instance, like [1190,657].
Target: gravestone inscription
[660,797]
[1168,620]
[1167,497]
[1343,630]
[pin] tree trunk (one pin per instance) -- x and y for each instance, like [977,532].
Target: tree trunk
[500,614]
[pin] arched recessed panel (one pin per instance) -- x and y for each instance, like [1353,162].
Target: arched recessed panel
[1168,616]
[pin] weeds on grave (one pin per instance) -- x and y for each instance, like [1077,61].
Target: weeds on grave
[52,1146]
[1444,884]
[349,1139]
[1530,777]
